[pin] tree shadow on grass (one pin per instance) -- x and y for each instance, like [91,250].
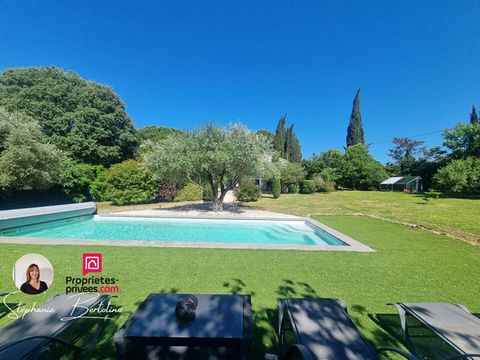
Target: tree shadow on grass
[290,288]
[264,321]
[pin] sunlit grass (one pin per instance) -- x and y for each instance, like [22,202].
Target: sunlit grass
[456,217]
[409,265]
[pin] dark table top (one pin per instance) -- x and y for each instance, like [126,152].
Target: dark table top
[217,317]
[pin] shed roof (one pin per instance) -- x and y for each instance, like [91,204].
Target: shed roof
[391,180]
[399,180]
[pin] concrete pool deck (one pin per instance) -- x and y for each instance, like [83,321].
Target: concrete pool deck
[232,212]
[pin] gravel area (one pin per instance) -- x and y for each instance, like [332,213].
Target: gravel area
[204,211]
[231,210]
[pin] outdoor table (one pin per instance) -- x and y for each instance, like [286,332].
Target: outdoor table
[222,329]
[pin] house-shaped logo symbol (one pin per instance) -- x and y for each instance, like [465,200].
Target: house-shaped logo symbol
[91,263]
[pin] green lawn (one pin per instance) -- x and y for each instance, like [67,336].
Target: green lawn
[409,265]
[456,217]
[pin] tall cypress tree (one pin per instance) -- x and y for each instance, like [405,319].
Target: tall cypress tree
[294,152]
[474,115]
[355,133]
[280,137]
[288,143]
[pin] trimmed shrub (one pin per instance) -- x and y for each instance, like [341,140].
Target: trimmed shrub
[249,191]
[321,185]
[129,183]
[189,192]
[307,187]
[276,188]
[294,188]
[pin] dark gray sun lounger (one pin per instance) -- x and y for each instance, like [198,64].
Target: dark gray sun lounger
[31,334]
[322,329]
[454,324]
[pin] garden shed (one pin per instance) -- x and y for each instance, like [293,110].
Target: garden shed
[402,183]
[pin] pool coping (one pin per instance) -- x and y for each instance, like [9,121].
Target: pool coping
[352,245]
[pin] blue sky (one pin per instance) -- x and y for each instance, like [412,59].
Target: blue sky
[184,63]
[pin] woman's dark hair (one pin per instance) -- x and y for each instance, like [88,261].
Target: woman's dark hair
[30,268]
[185,309]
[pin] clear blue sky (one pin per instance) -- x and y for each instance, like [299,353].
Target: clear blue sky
[184,63]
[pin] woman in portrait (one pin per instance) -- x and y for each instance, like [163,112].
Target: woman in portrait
[33,285]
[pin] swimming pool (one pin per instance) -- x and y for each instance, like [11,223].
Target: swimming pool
[260,232]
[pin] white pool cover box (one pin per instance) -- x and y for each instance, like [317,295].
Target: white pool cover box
[29,216]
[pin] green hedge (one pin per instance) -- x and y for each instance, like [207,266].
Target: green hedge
[249,191]
[189,192]
[276,188]
[307,187]
[129,183]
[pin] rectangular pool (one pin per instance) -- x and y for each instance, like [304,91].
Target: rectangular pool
[261,232]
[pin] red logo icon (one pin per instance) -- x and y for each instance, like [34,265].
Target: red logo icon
[92,263]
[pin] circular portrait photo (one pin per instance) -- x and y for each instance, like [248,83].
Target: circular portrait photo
[33,274]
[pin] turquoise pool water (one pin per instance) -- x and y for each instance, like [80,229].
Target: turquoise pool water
[223,231]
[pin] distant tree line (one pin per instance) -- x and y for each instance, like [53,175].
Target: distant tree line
[61,134]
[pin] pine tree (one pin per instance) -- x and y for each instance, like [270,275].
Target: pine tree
[474,115]
[355,133]
[280,137]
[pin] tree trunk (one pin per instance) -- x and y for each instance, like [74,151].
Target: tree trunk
[217,204]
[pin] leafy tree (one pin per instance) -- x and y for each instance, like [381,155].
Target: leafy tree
[360,170]
[463,140]
[27,160]
[215,159]
[474,116]
[76,178]
[405,154]
[291,174]
[129,182]
[156,133]
[461,176]
[280,137]
[326,164]
[86,120]
[268,135]
[355,133]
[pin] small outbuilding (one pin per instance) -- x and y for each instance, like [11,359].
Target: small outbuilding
[402,183]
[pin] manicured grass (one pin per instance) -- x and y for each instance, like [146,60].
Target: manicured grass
[409,265]
[456,217]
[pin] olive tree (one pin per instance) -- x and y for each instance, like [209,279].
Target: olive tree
[27,160]
[213,158]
